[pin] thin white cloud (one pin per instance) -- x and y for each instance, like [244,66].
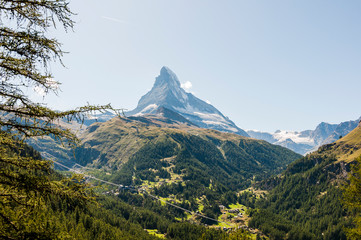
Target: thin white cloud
[187,86]
[113,19]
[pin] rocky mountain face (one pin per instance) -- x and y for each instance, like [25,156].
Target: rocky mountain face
[168,93]
[308,140]
[341,130]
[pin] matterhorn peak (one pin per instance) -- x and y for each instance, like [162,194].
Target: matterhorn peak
[167,77]
[167,71]
[167,92]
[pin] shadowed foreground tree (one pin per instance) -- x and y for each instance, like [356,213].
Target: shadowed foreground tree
[26,180]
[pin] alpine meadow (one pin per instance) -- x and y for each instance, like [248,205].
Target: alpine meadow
[201,156]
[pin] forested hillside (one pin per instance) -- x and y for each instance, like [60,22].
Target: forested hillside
[305,202]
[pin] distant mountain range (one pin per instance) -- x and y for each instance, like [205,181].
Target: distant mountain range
[309,140]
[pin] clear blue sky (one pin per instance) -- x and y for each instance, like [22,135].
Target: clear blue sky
[266,65]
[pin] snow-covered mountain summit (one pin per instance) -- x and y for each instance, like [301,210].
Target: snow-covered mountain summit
[167,92]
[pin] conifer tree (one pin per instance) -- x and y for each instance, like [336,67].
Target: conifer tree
[26,53]
[26,180]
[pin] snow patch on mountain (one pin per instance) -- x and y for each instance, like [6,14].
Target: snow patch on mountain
[296,137]
[215,119]
[211,116]
[147,109]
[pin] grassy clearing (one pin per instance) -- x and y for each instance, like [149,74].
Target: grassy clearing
[148,184]
[257,192]
[224,222]
[200,205]
[155,233]
[235,206]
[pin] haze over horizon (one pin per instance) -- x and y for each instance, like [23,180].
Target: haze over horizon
[266,65]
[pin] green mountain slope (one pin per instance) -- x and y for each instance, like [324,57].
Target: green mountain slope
[152,149]
[304,202]
[349,147]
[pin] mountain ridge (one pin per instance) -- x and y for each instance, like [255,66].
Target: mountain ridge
[146,128]
[308,140]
